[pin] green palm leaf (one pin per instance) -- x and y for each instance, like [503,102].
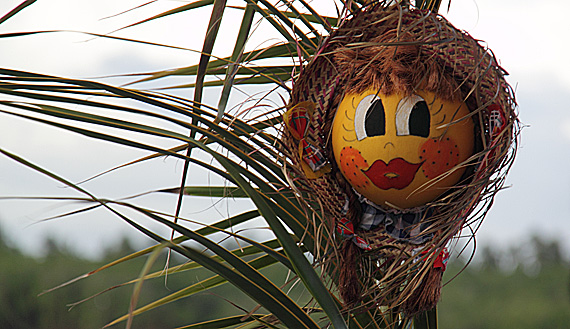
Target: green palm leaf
[242,150]
[16,10]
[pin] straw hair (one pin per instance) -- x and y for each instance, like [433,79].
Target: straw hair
[393,68]
[398,49]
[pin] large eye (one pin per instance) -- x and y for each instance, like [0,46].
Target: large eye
[412,117]
[370,119]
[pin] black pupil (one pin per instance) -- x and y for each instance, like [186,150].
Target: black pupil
[375,123]
[419,120]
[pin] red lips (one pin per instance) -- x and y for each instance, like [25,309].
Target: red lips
[398,173]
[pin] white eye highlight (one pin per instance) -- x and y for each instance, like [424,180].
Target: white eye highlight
[369,118]
[412,117]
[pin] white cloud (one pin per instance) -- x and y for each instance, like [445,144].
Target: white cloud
[565,127]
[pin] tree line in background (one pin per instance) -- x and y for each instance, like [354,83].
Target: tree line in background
[524,286]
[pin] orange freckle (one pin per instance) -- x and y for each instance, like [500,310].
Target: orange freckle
[439,156]
[351,162]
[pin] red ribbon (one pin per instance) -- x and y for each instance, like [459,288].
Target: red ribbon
[297,120]
[345,228]
[440,260]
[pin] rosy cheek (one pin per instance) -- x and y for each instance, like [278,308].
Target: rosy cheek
[351,164]
[438,155]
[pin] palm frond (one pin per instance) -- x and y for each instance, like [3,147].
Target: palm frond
[242,149]
[16,10]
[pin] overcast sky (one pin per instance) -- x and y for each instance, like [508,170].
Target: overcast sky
[528,37]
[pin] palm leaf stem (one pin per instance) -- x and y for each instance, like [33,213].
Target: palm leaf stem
[187,7]
[211,282]
[267,16]
[211,34]
[235,58]
[290,212]
[248,286]
[297,31]
[243,276]
[16,10]
[219,226]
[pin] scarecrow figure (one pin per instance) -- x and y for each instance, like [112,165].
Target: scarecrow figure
[398,129]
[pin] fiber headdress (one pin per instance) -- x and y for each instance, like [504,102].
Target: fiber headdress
[397,49]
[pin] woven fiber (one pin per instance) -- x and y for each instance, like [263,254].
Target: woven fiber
[400,49]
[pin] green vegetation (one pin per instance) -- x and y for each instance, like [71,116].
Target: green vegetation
[24,278]
[489,298]
[533,293]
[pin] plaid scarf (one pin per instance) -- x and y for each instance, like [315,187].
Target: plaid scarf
[409,226]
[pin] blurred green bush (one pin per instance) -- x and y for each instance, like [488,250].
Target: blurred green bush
[515,288]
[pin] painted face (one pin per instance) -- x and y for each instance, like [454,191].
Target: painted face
[401,151]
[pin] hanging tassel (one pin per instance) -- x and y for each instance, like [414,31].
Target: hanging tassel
[349,287]
[427,293]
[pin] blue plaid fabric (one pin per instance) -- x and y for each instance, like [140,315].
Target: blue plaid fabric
[406,226]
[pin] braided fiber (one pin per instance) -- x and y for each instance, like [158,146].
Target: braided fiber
[400,49]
